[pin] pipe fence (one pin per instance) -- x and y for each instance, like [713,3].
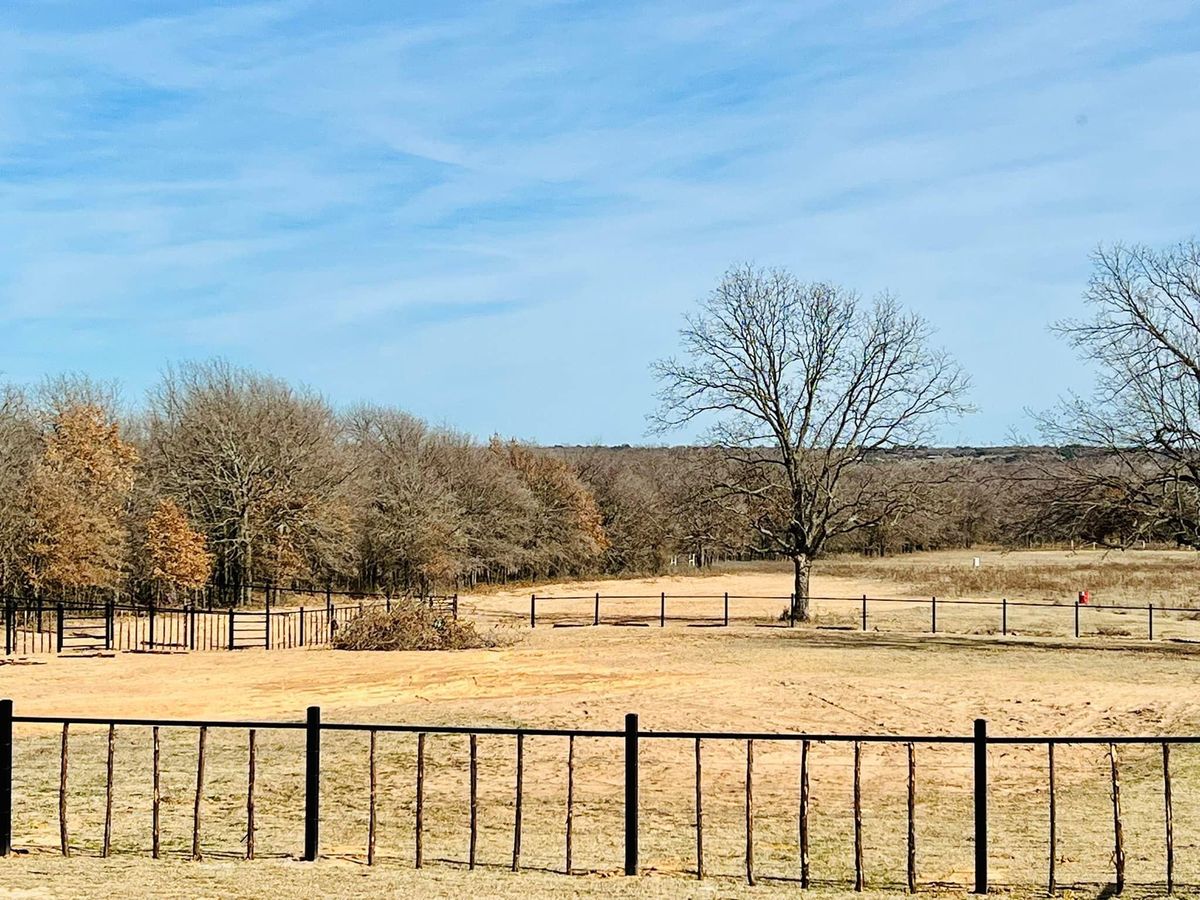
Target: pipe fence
[628,746]
[721,610]
[34,626]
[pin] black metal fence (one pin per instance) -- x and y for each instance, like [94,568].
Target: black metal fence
[627,743]
[719,610]
[33,626]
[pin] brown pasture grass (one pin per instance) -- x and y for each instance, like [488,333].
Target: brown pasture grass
[1162,577]
[743,678]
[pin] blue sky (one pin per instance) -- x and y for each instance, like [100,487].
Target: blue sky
[495,214]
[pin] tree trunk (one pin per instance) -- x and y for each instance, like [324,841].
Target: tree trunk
[803,567]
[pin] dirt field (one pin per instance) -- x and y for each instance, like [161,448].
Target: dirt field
[741,678]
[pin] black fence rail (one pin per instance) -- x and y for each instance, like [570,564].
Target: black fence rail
[33,626]
[626,745]
[720,610]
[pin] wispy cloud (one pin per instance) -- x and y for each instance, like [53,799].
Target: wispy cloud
[495,213]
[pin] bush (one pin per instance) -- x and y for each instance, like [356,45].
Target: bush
[409,626]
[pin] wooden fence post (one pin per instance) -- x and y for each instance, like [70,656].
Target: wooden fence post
[981,814]
[63,840]
[155,796]
[1168,816]
[699,815]
[631,794]
[859,877]
[197,808]
[108,793]
[1118,828]
[419,831]
[912,820]
[803,824]
[473,789]
[570,800]
[750,812]
[1052,885]
[251,771]
[6,753]
[312,784]
[517,810]
[371,814]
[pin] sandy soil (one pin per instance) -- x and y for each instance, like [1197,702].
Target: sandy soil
[742,678]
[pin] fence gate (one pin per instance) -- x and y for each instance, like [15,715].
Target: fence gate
[82,632]
[248,629]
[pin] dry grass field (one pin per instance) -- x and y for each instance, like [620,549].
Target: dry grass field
[888,681]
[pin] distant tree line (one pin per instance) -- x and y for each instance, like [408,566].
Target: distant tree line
[820,406]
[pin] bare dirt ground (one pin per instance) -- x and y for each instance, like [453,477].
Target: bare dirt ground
[742,678]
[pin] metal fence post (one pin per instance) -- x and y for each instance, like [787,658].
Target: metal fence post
[981,816]
[231,621]
[864,613]
[662,610]
[596,618]
[9,636]
[1004,615]
[1076,618]
[302,626]
[933,615]
[727,609]
[1150,611]
[6,754]
[533,610]
[267,617]
[631,794]
[109,612]
[151,623]
[58,637]
[312,784]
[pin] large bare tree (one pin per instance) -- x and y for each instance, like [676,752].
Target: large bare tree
[805,385]
[1131,469]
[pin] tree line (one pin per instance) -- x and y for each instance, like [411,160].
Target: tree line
[819,407]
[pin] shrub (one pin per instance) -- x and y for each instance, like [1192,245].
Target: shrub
[409,626]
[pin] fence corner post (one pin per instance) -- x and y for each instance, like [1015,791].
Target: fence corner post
[6,753]
[312,784]
[981,815]
[631,794]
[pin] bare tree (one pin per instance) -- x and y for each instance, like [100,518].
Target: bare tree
[1131,462]
[257,465]
[805,383]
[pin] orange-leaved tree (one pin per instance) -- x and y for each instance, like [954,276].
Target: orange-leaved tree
[178,554]
[568,529]
[79,489]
